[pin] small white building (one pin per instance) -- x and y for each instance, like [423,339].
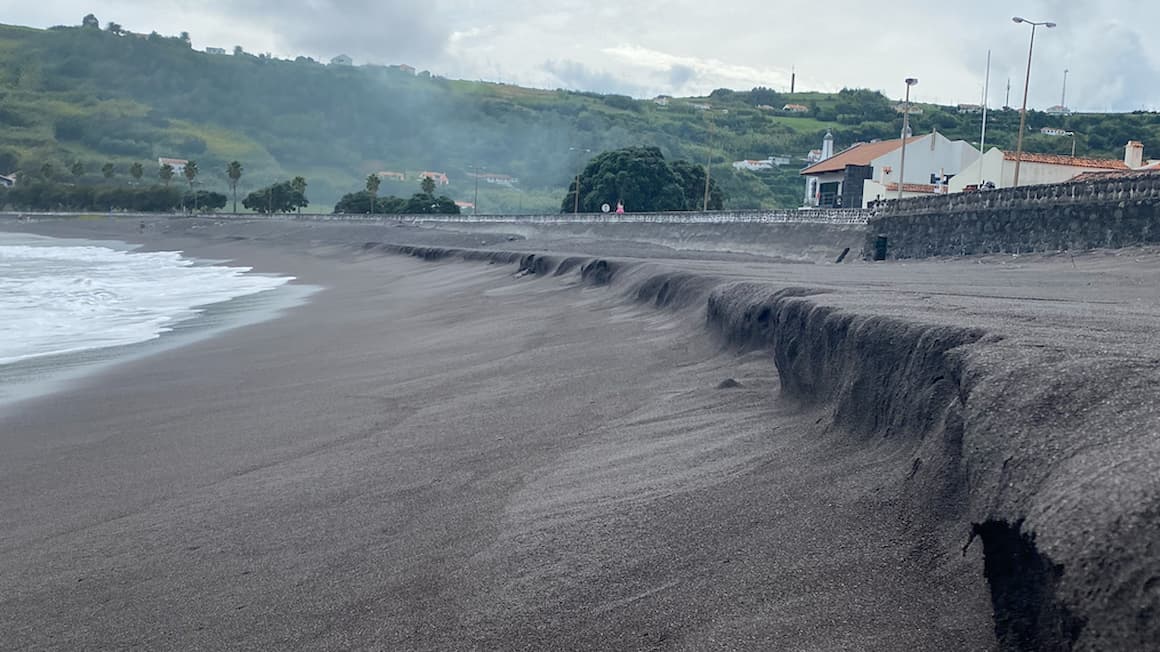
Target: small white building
[215,50]
[758,165]
[998,168]
[7,181]
[178,164]
[342,60]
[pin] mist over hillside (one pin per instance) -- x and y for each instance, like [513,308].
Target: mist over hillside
[97,95]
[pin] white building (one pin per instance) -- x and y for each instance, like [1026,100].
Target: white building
[178,164]
[342,60]
[870,171]
[758,165]
[7,181]
[998,167]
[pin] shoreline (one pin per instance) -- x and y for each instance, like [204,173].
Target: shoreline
[801,469]
[44,375]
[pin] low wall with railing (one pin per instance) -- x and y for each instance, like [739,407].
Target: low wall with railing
[1114,211]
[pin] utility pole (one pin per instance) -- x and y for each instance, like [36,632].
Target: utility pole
[983,135]
[1007,102]
[1063,95]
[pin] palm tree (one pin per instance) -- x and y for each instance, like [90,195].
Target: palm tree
[136,171]
[190,173]
[373,182]
[234,172]
[166,174]
[298,185]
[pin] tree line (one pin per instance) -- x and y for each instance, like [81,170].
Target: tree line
[49,191]
[423,202]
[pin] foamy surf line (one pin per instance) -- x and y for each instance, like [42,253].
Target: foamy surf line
[68,303]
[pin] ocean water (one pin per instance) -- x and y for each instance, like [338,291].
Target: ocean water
[66,305]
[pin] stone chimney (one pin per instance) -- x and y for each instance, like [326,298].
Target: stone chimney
[1134,154]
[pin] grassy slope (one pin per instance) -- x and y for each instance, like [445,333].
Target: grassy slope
[82,95]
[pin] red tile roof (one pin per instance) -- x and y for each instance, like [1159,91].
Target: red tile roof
[1096,176]
[860,154]
[1077,161]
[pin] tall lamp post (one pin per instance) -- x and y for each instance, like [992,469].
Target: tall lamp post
[910,81]
[576,201]
[475,199]
[1072,134]
[1026,84]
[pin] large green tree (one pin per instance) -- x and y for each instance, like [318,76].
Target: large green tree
[641,179]
[298,185]
[165,173]
[136,171]
[280,197]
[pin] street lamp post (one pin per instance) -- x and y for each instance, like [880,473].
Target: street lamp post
[475,198]
[910,81]
[1072,134]
[1026,84]
[576,199]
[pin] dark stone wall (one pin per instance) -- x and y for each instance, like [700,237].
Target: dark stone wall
[1116,211]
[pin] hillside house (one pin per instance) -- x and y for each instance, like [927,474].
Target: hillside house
[865,172]
[796,108]
[387,175]
[970,108]
[1058,109]
[7,181]
[1054,131]
[402,67]
[215,50]
[662,100]
[761,164]
[495,179]
[178,164]
[342,60]
[914,108]
[439,178]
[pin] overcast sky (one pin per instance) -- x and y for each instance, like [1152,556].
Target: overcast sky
[648,47]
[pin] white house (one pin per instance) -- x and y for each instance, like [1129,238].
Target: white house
[178,164]
[215,50]
[869,171]
[757,165]
[342,60]
[7,181]
[998,167]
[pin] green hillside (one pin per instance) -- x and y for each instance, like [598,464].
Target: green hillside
[94,96]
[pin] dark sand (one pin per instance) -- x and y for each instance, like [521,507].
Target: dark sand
[450,456]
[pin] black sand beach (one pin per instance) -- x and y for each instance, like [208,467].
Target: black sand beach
[454,454]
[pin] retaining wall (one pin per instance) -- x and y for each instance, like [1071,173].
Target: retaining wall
[1116,211]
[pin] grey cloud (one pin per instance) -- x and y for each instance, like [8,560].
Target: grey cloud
[680,75]
[369,31]
[576,76]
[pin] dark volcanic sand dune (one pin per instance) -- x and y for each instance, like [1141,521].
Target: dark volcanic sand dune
[540,453]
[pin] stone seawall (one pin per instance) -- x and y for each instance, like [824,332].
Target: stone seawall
[1117,211]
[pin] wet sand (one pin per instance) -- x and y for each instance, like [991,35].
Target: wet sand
[454,456]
